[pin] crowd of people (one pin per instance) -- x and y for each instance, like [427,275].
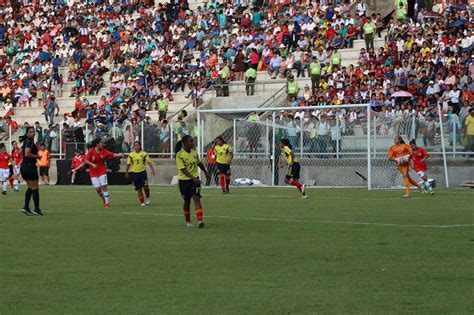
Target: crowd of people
[134,55]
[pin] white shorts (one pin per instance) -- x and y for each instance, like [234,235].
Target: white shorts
[16,169]
[99,181]
[4,174]
[421,174]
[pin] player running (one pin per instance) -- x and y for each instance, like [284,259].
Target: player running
[77,164]
[95,158]
[137,161]
[419,157]
[224,157]
[5,159]
[400,153]
[17,156]
[187,161]
[294,167]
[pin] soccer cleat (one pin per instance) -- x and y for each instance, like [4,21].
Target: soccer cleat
[147,201]
[37,212]
[432,192]
[15,190]
[189,224]
[227,189]
[425,190]
[200,224]
[26,211]
[304,196]
[142,204]
[303,188]
[406,196]
[106,205]
[225,192]
[4,192]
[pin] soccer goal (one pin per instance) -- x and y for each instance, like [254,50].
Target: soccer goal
[337,146]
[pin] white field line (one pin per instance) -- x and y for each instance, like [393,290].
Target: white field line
[292,220]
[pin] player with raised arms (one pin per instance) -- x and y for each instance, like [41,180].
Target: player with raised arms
[137,162]
[294,167]
[224,157]
[419,157]
[187,161]
[95,158]
[400,152]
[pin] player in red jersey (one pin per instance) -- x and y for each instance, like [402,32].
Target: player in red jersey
[95,158]
[77,164]
[5,159]
[17,156]
[419,157]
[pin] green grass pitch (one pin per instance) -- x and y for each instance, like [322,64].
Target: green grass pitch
[263,250]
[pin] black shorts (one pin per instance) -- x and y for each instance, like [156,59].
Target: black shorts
[294,171]
[139,180]
[29,172]
[44,171]
[223,168]
[189,189]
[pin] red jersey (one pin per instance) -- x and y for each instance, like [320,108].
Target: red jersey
[17,156]
[77,161]
[4,160]
[98,158]
[417,157]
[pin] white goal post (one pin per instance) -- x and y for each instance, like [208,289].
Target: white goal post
[337,145]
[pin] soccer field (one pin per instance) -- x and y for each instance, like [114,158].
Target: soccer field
[263,250]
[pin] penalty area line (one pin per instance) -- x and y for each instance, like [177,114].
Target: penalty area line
[291,220]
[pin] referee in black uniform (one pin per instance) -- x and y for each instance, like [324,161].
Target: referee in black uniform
[29,171]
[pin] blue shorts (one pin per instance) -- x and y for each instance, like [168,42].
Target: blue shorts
[139,180]
[294,171]
[189,189]
[223,168]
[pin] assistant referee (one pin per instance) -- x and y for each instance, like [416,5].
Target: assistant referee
[136,163]
[29,171]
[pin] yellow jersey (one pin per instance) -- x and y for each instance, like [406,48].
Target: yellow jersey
[188,161]
[138,161]
[287,152]
[470,125]
[223,153]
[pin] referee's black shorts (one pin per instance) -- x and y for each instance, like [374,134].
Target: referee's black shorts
[294,171]
[29,172]
[223,168]
[189,189]
[139,180]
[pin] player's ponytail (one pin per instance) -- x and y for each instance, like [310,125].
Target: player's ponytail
[286,143]
[180,143]
[413,142]
[401,139]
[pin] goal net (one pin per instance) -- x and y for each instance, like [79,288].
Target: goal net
[337,146]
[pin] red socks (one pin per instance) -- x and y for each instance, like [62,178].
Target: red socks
[199,214]
[141,198]
[296,184]
[227,180]
[11,180]
[187,215]
[222,181]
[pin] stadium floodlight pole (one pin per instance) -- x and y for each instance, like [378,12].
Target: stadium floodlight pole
[273,147]
[60,141]
[234,136]
[443,148]
[199,134]
[369,153]
[337,137]
[10,137]
[171,140]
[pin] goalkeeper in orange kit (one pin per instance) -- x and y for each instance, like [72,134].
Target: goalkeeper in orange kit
[400,153]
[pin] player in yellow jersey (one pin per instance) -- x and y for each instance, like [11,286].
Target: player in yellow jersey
[136,163]
[293,175]
[224,157]
[188,162]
